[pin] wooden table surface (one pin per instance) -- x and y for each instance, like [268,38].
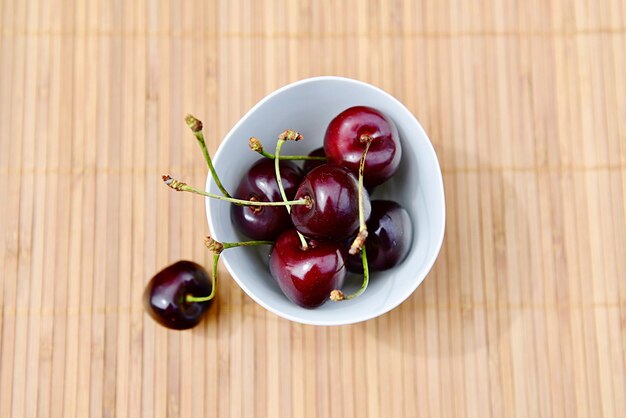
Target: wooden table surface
[524,313]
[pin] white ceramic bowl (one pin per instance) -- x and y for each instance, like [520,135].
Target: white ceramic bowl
[308,106]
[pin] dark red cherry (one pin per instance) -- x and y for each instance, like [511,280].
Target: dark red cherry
[334,213]
[307,277]
[311,164]
[164,296]
[343,145]
[390,232]
[259,183]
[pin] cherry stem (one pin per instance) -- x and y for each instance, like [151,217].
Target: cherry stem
[279,180]
[184,187]
[192,298]
[217,248]
[286,136]
[256,146]
[196,127]
[337,295]
[366,276]
[359,241]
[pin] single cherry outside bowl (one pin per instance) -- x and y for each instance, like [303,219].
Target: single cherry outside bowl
[308,106]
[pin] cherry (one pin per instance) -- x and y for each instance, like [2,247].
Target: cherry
[344,143]
[311,164]
[259,184]
[390,232]
[166,295]
[333,213]
[306,276]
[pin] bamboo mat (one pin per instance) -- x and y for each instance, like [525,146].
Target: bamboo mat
[524,313]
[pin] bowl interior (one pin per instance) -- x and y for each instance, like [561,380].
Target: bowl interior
[308,106]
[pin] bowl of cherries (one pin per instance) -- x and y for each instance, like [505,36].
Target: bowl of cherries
[335,192]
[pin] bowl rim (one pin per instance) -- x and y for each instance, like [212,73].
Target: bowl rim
[440,186]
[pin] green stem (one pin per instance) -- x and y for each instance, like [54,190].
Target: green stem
[291,157]
[256,146]
[184,187]
[337,295]
[217,248]
[362,225]
[228,245]
[279,145]
[192,298]
[279,180]
[366,276]
[359,241]
[196,127]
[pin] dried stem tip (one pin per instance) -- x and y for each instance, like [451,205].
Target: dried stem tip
[255,144]
[213,245]
[290,135]
[365,138]
[336,295]
[194,124]
[173,183]
[358,243]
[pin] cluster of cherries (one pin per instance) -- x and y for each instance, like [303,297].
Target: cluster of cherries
[319,219]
